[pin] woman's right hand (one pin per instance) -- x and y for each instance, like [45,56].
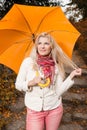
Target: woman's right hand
[35,81]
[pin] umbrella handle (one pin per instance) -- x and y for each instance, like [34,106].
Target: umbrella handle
[45,82]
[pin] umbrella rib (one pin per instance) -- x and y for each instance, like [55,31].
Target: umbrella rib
[28,46]
[43,19]
[50,31]
[24,33]
[16,43]
[22,41]
[25,20]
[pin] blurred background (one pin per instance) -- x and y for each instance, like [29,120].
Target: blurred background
[12,109]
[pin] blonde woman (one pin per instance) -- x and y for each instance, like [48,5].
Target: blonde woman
[42,77]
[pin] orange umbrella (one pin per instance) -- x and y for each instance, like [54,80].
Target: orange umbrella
[22,23]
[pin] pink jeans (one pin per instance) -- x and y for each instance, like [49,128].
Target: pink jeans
[50,119]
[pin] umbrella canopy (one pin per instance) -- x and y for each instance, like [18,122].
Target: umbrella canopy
[23,23]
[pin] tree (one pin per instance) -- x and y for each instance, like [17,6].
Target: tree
[8,4]
[33,2]
[82,4]
[81,9]
[5,7]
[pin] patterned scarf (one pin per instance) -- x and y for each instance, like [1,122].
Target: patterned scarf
[47,66]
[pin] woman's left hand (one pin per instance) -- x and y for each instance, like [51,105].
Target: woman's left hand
[76,72]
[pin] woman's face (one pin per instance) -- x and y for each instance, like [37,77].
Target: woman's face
[43,46]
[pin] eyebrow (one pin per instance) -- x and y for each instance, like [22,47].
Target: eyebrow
[44,42]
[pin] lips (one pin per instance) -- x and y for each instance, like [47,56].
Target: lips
[42,50]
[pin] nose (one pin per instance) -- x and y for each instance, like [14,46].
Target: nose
[42,45]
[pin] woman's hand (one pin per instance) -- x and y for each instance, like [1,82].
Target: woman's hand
[76,72]
[35,81]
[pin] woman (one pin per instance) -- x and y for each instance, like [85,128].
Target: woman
[42,77]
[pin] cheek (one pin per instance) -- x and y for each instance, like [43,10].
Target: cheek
[49,49]
[38,48]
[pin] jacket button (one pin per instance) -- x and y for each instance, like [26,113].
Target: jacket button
[40,97]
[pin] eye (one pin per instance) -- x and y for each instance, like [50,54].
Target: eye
[39,43]
[47,43]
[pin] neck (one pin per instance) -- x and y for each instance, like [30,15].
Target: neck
[48,55]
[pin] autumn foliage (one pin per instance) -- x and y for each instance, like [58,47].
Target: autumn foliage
[8,94]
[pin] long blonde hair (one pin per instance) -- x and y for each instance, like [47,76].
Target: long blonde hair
[59,57]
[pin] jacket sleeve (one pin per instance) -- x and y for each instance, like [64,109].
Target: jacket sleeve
[63,86]
[21,82]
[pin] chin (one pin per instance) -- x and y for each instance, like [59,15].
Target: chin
[42,54]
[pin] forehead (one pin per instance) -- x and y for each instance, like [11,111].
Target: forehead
[43,39]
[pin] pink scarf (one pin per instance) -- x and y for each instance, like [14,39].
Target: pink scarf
[47,65]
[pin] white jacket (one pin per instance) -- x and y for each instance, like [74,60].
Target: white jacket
[41,99]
